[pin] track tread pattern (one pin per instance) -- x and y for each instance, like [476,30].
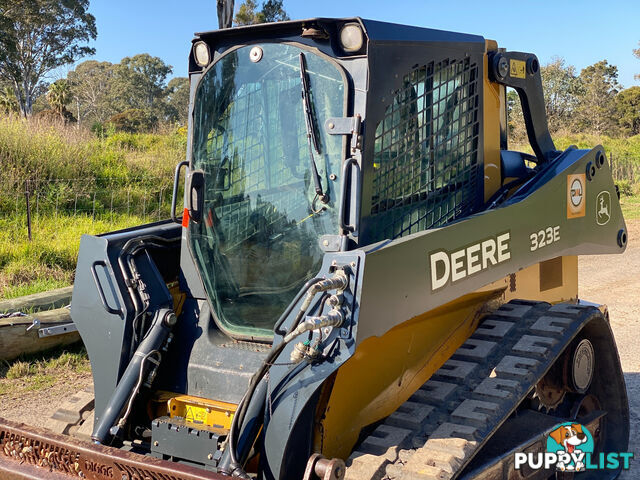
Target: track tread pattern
[445,423]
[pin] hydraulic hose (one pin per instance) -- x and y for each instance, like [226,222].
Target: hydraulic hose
[339,281]
[112,420]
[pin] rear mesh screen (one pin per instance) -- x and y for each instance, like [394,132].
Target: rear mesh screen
[426,151]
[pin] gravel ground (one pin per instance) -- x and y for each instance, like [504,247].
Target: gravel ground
[610,279]
[615,281]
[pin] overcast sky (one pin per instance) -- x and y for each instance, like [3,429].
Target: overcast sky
[581,31]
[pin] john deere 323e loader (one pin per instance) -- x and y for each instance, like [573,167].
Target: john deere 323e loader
[365,282]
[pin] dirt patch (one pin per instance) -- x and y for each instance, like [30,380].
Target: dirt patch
[32,388]
[23,404]
[615,281]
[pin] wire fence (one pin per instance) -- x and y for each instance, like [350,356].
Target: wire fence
[24,202]
[106,199]
[625,168]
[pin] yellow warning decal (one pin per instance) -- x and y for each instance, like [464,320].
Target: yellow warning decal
[204,411]
[517,68]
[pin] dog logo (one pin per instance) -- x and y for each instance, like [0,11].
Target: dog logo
[570,442]
[570,449]
[576,195]
[603,208]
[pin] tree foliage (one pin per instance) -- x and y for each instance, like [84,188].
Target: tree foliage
[133,120]
[628,109]
[90,85]
[636,53]
[104,90]
[38,36]
[270,11]
[598,84]
[8,102]
[592,102]
[177,99]
[560,87]
[59,96]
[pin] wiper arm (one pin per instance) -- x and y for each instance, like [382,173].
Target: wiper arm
[312,134]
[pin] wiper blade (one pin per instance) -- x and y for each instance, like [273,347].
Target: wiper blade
[312,134]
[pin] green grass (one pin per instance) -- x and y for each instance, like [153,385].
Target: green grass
[630,206]
[80,184]
[49,260]
[39,371]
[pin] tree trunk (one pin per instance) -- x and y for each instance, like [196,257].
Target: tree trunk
[225,13]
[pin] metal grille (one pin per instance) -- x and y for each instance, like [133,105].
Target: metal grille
[245,158]
[426,150]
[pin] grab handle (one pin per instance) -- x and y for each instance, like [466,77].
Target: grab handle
[350,168]
[103,299]
[176,183]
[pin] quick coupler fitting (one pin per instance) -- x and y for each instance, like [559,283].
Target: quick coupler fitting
[332,319]
[339,281]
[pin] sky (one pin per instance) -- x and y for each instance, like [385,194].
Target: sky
[581,31]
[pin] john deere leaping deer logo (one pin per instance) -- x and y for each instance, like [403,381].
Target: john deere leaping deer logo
[603,208]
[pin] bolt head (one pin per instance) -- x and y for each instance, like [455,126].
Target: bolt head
[170,319]
[155,444]
[210,456]
[331,126]
[503,67]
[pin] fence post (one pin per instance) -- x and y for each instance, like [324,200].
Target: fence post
[159,202]
[94,207]
[111,216]
[26,194]
[613,169]
[144,207]
[128,200]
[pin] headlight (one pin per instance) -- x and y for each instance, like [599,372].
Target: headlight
[201,54]
[351,37]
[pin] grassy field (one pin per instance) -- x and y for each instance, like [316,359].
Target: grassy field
[78,184]
[83,184]
[48,261]
[630,206]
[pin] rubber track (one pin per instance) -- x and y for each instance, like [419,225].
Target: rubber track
[74,416]
[444,424]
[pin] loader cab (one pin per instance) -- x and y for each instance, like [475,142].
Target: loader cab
[391,125]
[258,240]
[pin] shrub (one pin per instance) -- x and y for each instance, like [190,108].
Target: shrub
[133,120]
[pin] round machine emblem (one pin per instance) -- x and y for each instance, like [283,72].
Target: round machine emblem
[576,192]
[576,195]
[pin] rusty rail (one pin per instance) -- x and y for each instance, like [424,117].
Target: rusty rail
[33,453]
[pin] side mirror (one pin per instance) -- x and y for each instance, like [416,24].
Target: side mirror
[195,195]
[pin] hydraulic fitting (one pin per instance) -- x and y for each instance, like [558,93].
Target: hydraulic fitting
[332,319]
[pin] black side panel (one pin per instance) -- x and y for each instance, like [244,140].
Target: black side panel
[105,319]
[423,138]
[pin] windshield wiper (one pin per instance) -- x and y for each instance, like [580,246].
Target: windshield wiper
[312,134]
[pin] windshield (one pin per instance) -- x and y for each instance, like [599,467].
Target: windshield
[259,240]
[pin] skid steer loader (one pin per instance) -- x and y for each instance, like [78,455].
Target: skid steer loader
[365,283]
